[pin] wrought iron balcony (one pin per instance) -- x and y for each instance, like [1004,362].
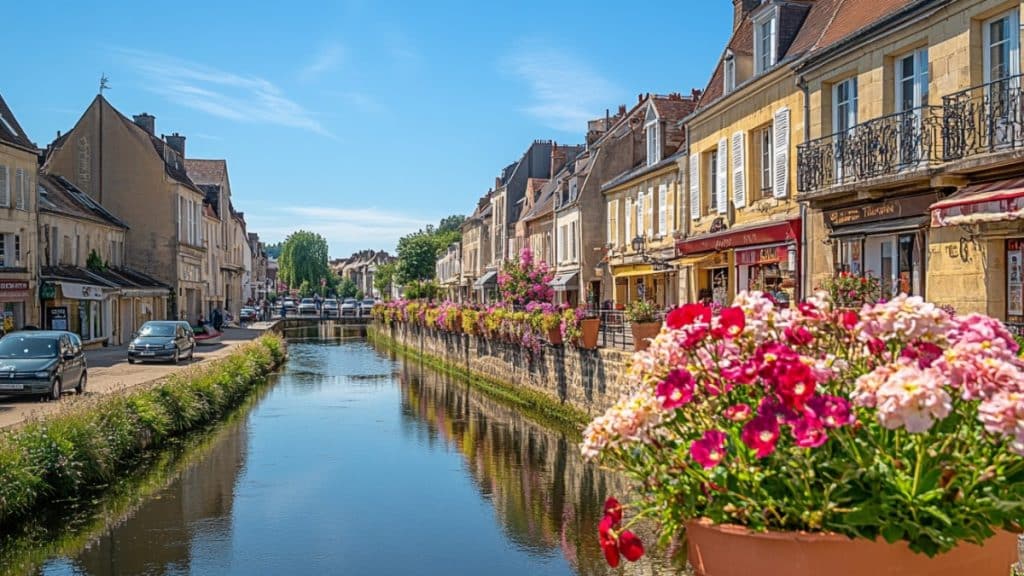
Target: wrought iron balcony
[984,118]
[883,146]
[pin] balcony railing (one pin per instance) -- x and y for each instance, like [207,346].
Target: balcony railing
[880,147]
[984,118]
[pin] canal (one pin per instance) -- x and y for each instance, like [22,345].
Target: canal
[356,462]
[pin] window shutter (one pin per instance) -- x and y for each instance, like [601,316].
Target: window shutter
[662,209]
[723,176]
[694,186]
[5,188]
[739,159]
[609,234]
[629,222]
[639,206]
[649,211]
[781,133]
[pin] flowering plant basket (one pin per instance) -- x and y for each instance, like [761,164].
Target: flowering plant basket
[846,290]
[642,312]
[898,422]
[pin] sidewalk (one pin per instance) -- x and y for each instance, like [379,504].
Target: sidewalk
[109,372]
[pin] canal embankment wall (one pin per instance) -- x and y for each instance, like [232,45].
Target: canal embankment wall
[583,383]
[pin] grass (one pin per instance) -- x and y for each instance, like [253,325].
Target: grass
[90,444]
[548,410]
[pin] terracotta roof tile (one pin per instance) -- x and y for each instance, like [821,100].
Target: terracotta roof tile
[206,171]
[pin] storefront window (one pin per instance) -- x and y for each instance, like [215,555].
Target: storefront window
[719,282]
[1015,285]
[906,270]
[886,270]
[850,257]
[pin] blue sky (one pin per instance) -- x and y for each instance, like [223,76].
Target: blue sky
[360,120]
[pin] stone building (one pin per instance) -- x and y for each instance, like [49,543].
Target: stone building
[141,179]
[448,272]
[225,252]
[19,306]
[642,200]
[476,253]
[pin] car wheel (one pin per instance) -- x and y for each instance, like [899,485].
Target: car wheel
[131,360]
[55,390]
[177,356]
[80,389]
[192,352]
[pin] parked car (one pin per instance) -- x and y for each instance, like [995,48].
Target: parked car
[161,340]
[290,305]
[330,307]
[189,330]
[247,314]
[366,305]
[307,306]
[350,307]
[42,362]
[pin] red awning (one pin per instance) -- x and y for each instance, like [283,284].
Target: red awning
[989,202]
[743,236]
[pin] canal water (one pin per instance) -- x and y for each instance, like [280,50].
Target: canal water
[358,462]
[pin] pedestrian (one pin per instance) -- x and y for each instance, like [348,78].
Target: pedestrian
[218,319]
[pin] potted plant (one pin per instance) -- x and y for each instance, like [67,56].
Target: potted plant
[590,326]
[570,325]
[846,290]
[818,440]
[644,322]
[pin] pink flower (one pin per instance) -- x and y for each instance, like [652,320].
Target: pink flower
[924,352]
[796,385]
[798,335]
[905,397]
[730,323]
[809,432]
[676,390]
[761,434]
[709,450]
[738,412]
[832,411]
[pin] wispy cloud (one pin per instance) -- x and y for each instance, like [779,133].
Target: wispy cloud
[328,58]
[565,91]
[238,97]
[368,227]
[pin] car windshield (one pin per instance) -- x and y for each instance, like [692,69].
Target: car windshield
[370,302]
[149,330]
[307,300]
[25,347]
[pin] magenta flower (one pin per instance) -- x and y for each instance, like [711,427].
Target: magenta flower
[809,432]
[709,451]
[676,390]
[761,435]
[738,412]
[832,411]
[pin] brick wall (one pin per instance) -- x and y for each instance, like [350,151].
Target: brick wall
[588,380]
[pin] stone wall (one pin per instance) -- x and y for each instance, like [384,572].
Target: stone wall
[588,380]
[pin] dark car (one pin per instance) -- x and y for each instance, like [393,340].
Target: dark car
[161,340]
[42,362]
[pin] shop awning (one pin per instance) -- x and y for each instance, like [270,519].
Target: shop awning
[999,201]
[632,270]
[786,231]
[488,279]
[694,260]
[562,282]
[881,227]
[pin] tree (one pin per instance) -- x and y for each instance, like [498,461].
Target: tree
[451,223]
[418,252]
[273,250]
[383,278]
[347,288]
[303,258]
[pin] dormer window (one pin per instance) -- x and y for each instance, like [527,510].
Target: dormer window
[766,28]
[729,68]
[654,145]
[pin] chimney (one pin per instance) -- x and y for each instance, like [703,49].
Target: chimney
[622,110]
[558,159]
[177,142]
[740,9]
[695,94]
[146,121]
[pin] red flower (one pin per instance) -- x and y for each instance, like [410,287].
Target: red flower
[731,322]
[798,336]
[630,546]
[709,450]
[613,510]
[849,319]
[688,314]
[607,539]
[761,434]
[832,411]
[738,412]
[676,390]
[809,433]
[924,352]
[744,373]
[796,385]
[808,309]
[876,346]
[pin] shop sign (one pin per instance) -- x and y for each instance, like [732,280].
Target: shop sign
[81,291]
[1015,281]
[781,232]
[48,291]
[57,318]
[757,256]
[13,285]
[888,209]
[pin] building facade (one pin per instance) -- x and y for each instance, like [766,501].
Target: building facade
[476,252]
[19,305]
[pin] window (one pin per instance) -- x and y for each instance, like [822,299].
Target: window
[5,187]
[17,249]
[573,184]
[572,241]
[1001,46]
[912,80]
[20,189]
[628,234]
[729,69]
[712,202]
[662,209]
[563,239]
[844,118]
[766,143]
[654,144]
[613,222]
[67,256]
[765,30]
[3,252]
[639,213]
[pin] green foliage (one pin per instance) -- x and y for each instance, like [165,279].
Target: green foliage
[95,440]
[642,311]
[304,258]
[360,295]
[451,223]
[347,288]
[418,252]
[417,290]
[383,279]
[274,250]
[95,262]
[305,289]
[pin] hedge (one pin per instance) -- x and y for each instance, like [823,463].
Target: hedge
[83,448]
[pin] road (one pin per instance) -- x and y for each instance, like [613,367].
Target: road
[109,372]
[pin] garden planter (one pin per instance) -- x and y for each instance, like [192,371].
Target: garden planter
[555,336]
[725,550]
[643,332]
[589,328]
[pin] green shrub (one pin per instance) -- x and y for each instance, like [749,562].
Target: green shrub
[85,446]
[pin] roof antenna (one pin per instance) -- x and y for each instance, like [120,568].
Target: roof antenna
[104,83]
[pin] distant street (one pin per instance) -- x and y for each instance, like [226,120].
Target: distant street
[109,372]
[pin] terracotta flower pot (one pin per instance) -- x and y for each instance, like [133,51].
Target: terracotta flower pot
[589,328]
[555,336]
[643,333]
[726,550]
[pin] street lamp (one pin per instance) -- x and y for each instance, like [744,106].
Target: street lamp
[638,244]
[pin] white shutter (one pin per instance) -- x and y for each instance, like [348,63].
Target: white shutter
[739,177]
[639,206]
[629,222]
[723,176]
[608,233]
[649,212]
[781,172]
[694,186]
[662,209]
[5,187]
